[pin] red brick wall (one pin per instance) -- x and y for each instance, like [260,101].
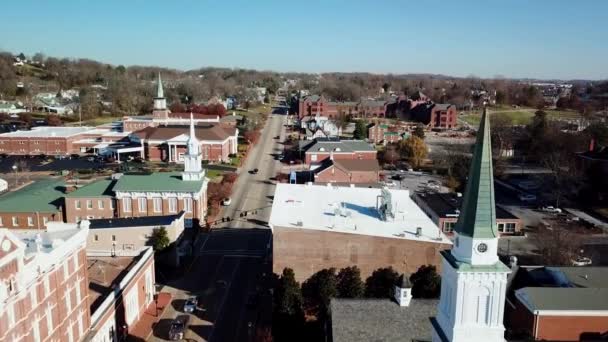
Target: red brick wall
[337,175]
[38,219]
[308,251]
[339,156]
[443,119]
[84,211]
[35,146]
[569,328]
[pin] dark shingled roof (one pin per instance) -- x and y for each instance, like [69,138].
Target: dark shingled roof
[444,204]
[203,132]
[381,320]
[144,221]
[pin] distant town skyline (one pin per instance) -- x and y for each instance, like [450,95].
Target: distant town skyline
[517,39]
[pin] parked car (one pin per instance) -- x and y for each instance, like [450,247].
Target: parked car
[390,183]
[526,197]
[226,201]
[581,261]
[91,159]
[190,305]
[397,177]
[254,171]
[178,327]
[551,209]
[74,156]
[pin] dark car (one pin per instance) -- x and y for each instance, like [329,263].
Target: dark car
[178,327]
[277,137]
[397,177]
[74,156]
[254,171]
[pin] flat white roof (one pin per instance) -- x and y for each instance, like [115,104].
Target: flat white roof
[48,131]
[350,210]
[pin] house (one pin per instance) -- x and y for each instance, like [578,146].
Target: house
[319,127]
[315,151]
[558,303]
[321,226]
[348,171]
[34,205]
[444,210]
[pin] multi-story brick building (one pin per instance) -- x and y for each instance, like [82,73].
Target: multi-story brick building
[34,205]
[321,226]
[43,286]
[154,194]
[379,133]
[315,105]
[56,141]
[444,210]
[315,151]
[435,115]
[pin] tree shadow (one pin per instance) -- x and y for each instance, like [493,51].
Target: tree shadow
[161,328]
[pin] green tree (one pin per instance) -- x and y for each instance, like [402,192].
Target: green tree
[160,239]
[360,130]
[414,149]
[288,316]
[426,283]
[319,289]
[419,131]
[381,283]
[350,284]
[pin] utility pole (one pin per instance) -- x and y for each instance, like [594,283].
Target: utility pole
[80,115]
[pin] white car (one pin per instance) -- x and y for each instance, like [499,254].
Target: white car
[551,209]
[226,201]
[389,183]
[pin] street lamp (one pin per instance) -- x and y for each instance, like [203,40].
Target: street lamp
[113,248]
[15,169]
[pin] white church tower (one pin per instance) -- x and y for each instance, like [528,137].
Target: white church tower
[473,279]
[160,111]
[193,160]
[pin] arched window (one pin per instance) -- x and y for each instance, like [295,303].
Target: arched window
[484,300]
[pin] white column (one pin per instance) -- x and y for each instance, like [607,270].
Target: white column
[169,152]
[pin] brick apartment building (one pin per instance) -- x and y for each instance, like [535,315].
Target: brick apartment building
[315,105]
[43,286]
[315,151]
[435,115]
[320,226]
[444,210]
[34,205]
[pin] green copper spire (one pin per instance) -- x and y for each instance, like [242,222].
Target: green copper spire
[478,213]
[159,88]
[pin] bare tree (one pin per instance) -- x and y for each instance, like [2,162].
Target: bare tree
[557,245]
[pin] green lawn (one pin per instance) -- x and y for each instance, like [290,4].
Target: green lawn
[520,116]
[213,173]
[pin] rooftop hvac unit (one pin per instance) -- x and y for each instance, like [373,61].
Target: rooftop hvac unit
[418,231]
[299,223]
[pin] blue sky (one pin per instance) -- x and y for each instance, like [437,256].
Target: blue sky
[515,38]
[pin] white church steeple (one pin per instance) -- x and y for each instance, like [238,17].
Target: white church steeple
[473,279]
[193,160]
[160,102]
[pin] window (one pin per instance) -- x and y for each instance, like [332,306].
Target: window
[142,204]
[47,285]
[77,204]
[313,157]
[510,227]
[15,221]
[113,237]
[75,262]
[45,220]
[172,205]
[78,292]
[66,271]
[112,204]
[188,205]
[30,221]
[96,237]
[501,227]
[126,204]
[158,204]
[448,227]
[68,300]
[1,224]
[100,204]
[49,318]
[89,204]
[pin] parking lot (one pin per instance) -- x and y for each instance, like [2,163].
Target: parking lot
[413,181]
[48,164]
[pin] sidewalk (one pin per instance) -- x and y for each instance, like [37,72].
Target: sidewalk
[142,330]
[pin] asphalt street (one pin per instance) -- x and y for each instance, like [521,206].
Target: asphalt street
[254,192]
[228,277]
